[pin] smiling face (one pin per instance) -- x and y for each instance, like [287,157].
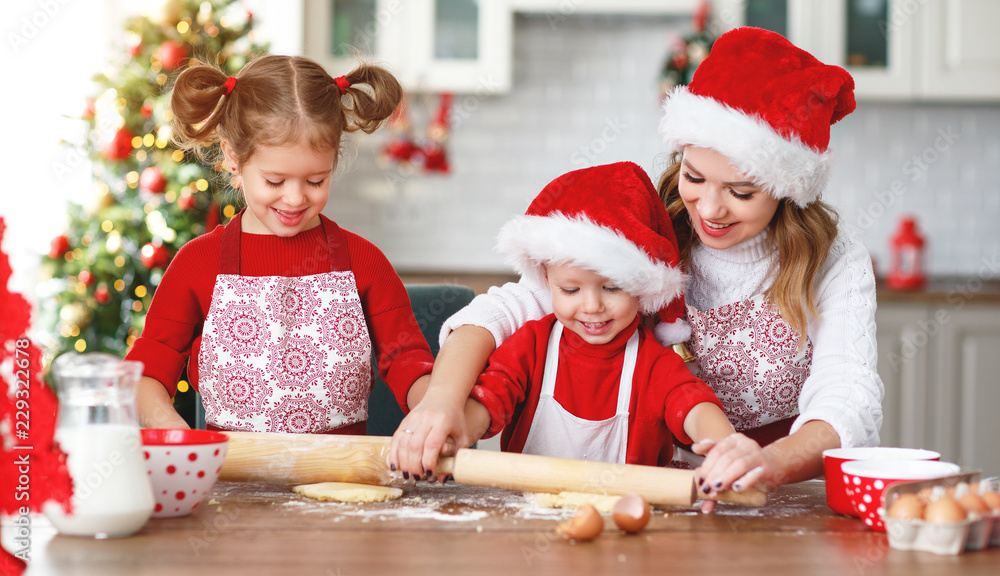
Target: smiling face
[726,208]
[285,187]
[589,304]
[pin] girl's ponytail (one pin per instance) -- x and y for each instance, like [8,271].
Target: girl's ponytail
[197,95]
[369,108]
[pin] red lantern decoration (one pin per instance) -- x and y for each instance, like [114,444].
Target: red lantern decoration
[152,180]
[907,247]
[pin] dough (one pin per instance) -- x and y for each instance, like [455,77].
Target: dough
[348,492]
[604,503]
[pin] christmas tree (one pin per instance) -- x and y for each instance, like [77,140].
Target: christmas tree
[149,197]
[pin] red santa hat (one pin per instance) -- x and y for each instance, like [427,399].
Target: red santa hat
[767,106]
[607,219]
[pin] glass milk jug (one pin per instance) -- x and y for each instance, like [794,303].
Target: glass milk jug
[98,430]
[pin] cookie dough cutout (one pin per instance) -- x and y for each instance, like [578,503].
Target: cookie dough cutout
[347,492]
[603,502]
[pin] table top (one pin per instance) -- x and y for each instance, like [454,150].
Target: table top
[249,529]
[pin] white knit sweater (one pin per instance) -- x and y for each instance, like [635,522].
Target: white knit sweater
[843,387]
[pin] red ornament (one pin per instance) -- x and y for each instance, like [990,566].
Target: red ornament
[134,46]
[907,247]
[102,295]
[59,246]
[89,109]
[186,201]
[172,55]
[152,180]
[146,110]
[154,256]
[120,146]
[86,277]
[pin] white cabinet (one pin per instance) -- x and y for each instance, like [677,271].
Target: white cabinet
[932,50]
[461,46]
[940,364]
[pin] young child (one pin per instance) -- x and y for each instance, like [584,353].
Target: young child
[280,310]
[590,381]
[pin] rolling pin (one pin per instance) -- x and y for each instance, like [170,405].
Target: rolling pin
[312,458]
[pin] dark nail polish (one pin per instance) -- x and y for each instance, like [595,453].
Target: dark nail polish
[737,487]
[406,475]
[701,481]
[392,467]
[706,489]
[717,485]
[428,474]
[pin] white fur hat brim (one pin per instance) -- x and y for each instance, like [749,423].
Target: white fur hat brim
[529,242]
[781,165]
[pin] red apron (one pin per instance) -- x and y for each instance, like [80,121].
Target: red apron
[285,354]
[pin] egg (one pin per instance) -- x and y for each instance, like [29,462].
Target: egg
[631,513]
[907,507]
[973,504]
[992,500]
[586,525]
[944,510]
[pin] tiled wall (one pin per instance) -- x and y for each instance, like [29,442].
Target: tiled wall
[585,93]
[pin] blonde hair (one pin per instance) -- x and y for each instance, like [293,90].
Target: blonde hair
[802,238]
[277,100]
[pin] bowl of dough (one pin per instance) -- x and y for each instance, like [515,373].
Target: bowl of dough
[183,465]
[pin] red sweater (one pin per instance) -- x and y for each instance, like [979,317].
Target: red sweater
[663,389]
[172,332]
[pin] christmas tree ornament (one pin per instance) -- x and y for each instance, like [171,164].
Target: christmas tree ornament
[75,315]
[154,256]
[85,277]
[687,52]
[186,200]
[172,55]
[58,247]
[102,294]
[120,146]
[401,148]
[152,180]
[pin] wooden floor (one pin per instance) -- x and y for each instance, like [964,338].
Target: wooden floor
[250,529]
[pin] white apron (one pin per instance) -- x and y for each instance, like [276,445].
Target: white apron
[556,432]
[285,354]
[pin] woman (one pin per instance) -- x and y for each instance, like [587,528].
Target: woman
[781,300]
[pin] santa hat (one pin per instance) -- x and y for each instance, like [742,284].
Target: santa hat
[767,106]
[607,219]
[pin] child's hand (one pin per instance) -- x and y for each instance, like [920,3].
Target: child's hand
[733,463]
[433,428]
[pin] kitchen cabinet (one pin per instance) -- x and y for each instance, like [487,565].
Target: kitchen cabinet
[461,46]
[940,364]
[929,50]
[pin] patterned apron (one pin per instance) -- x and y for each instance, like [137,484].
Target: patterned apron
[285,354]
[556,432]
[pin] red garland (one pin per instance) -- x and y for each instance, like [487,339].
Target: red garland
[32,468]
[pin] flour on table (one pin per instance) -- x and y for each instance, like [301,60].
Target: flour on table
[348,492]
[603,502]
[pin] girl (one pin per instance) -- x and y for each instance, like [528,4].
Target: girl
[280,310]
[781,300]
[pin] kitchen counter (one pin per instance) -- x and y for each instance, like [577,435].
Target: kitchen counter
[251,529]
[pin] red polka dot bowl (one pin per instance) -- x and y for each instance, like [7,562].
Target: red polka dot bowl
[866,480]
[182,465]
[837,497]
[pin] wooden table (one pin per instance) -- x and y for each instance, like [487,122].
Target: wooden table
[250,529]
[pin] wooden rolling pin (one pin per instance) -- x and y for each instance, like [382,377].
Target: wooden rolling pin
[311,458]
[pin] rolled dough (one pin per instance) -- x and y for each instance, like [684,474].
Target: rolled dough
[602,502]
[348,492]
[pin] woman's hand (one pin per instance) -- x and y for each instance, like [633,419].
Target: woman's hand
[435,427]
[734,463]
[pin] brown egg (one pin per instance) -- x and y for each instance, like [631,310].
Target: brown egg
[631,513]
[944,510]
[973,504]
[992,500]
[907,507]
[586,525]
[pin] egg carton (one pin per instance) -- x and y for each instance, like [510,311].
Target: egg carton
[975,533]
